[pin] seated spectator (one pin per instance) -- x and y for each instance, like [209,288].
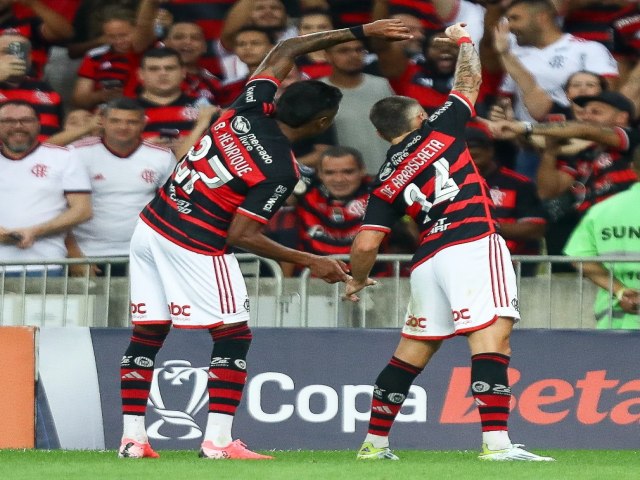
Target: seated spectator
[106,70]
[518,210]
[360,91]
[43,26]
[170,112]
[15,61]
[125,173]
[44,190]
[610,228]
[314,64]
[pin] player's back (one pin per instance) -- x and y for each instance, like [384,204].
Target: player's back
[243,163]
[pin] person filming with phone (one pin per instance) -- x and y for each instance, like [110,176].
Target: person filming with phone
[15,83]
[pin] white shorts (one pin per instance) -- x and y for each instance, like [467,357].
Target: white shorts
[170,284]
[460,289]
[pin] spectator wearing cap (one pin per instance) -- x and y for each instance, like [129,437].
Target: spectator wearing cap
[518,209]
[570,185]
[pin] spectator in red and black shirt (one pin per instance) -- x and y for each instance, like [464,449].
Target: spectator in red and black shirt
[16,85]
[331,209]
[170,112]
[518,210]
[42,25]
[106,70]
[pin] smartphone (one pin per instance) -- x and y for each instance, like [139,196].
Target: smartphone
[111,83]
[169,132]
[19,50]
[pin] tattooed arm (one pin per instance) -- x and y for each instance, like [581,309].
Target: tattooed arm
[468,77]
[280,60]
[609,136]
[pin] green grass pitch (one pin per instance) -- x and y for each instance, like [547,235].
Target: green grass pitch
[321,465]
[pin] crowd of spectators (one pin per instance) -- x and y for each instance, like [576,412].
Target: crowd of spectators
[555,132]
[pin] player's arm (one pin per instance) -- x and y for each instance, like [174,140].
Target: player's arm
[364,252]
[246,233]
[468,75]
[280,59]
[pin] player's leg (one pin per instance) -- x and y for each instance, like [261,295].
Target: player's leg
[422,335]
[389,393]
[227,379]
[485,307]
[151,326]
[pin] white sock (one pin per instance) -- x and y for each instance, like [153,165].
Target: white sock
[497,440]
[219,429]
[378,441]
[133,428]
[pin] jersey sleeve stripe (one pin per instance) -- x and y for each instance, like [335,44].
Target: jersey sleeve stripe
[252,215]
[464,100]
[269,78]
[377,228]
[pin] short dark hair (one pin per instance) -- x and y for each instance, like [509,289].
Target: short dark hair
[19,103]
[342,151]
[118,12]
[270,33]
[161,52]
[304,101]
[123,103]
[544,5]
[391,117]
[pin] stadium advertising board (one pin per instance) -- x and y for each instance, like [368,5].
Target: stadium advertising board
[311,388]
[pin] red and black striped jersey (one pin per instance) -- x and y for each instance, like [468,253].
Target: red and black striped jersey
[431,177]
[243,165]
[31,28]
[210,15]
[601,172]
[515,200]
[45,100]
[102,63]
[596,22]
[627,33]
[179,115]
[326,225]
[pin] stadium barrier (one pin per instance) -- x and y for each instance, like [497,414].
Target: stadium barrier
[311,389]
[547,300]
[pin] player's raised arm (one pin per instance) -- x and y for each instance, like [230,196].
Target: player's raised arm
[280,60]
[468,76]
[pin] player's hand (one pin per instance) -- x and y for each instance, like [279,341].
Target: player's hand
[354,286]
[389,29]
[329,269]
